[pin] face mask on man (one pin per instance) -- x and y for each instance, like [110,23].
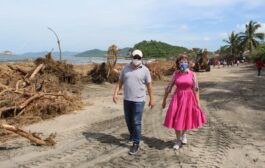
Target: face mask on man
[136,62]
[183,66]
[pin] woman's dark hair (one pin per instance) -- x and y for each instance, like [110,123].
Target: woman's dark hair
[180,57]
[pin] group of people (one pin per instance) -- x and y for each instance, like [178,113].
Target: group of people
[226,63]
[184,111]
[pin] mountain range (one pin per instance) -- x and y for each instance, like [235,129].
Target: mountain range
[42,53]
[101,53]
[88,53]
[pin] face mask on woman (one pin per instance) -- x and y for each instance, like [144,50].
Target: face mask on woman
[183,66]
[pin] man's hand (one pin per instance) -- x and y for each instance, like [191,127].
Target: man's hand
[150,93]
[115,98]
[116,91]
[151,104]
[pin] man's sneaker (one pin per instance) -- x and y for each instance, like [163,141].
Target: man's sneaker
[134,149]
[177,145]
[184,139]
[130,141]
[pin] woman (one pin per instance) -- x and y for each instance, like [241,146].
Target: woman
[184,112]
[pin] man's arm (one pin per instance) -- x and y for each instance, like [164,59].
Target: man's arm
[116,91]
[151,96]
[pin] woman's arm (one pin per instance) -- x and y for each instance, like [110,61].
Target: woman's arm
[197,95]
[168,89]
[165,99]
[196,89]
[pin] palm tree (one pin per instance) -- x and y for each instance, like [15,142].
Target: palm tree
[251,38]
[112,58]
[233,44]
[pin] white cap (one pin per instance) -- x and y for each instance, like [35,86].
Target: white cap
[137,52]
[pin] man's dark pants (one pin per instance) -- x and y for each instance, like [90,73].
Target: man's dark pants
[133,112]
[259,71]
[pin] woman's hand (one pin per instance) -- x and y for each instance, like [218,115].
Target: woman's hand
[199,105]
[163,104]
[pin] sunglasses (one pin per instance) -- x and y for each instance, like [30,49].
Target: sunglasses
[137,57]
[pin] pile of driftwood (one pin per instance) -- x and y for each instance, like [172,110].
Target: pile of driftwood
[106,72]
[101,73]
[155,70]
[63,71]
[158,69]
[32,92]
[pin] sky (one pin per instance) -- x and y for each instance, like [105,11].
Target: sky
[86,24]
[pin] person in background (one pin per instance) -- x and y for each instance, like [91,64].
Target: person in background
[237,63]
[259,65]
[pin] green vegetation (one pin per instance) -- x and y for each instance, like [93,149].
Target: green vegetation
[150,49]
[233,44]
[157,49]
[92,53]
[101,53]
[124,52]
[249,40]
[259,53]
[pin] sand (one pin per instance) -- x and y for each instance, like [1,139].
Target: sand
[232,98]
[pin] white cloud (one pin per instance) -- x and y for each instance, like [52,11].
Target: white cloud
[242,27]
[206,38]
[223,35]
[183,27]
[221,3]
[97,24]
[262,29]
[252,4]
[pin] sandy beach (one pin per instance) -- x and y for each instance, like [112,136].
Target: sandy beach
[232,98]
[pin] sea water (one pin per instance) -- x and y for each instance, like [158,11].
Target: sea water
[68,59]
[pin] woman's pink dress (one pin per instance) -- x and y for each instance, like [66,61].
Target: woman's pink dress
[183,112]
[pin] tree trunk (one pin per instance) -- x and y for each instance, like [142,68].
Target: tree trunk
[33,138]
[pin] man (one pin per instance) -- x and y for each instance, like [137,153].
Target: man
[135,77]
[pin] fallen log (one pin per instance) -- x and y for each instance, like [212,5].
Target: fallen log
[36,71]
[23,72]
[4,86]
[22,106]
[4,91]
[17,84]
[33,137]
[36,96]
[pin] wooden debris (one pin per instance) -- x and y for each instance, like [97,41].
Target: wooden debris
[33,137]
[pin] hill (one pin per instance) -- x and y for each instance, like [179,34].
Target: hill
[157,49]
[101,53]
[92,53]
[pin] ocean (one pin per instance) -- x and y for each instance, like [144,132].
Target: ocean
[68,59]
